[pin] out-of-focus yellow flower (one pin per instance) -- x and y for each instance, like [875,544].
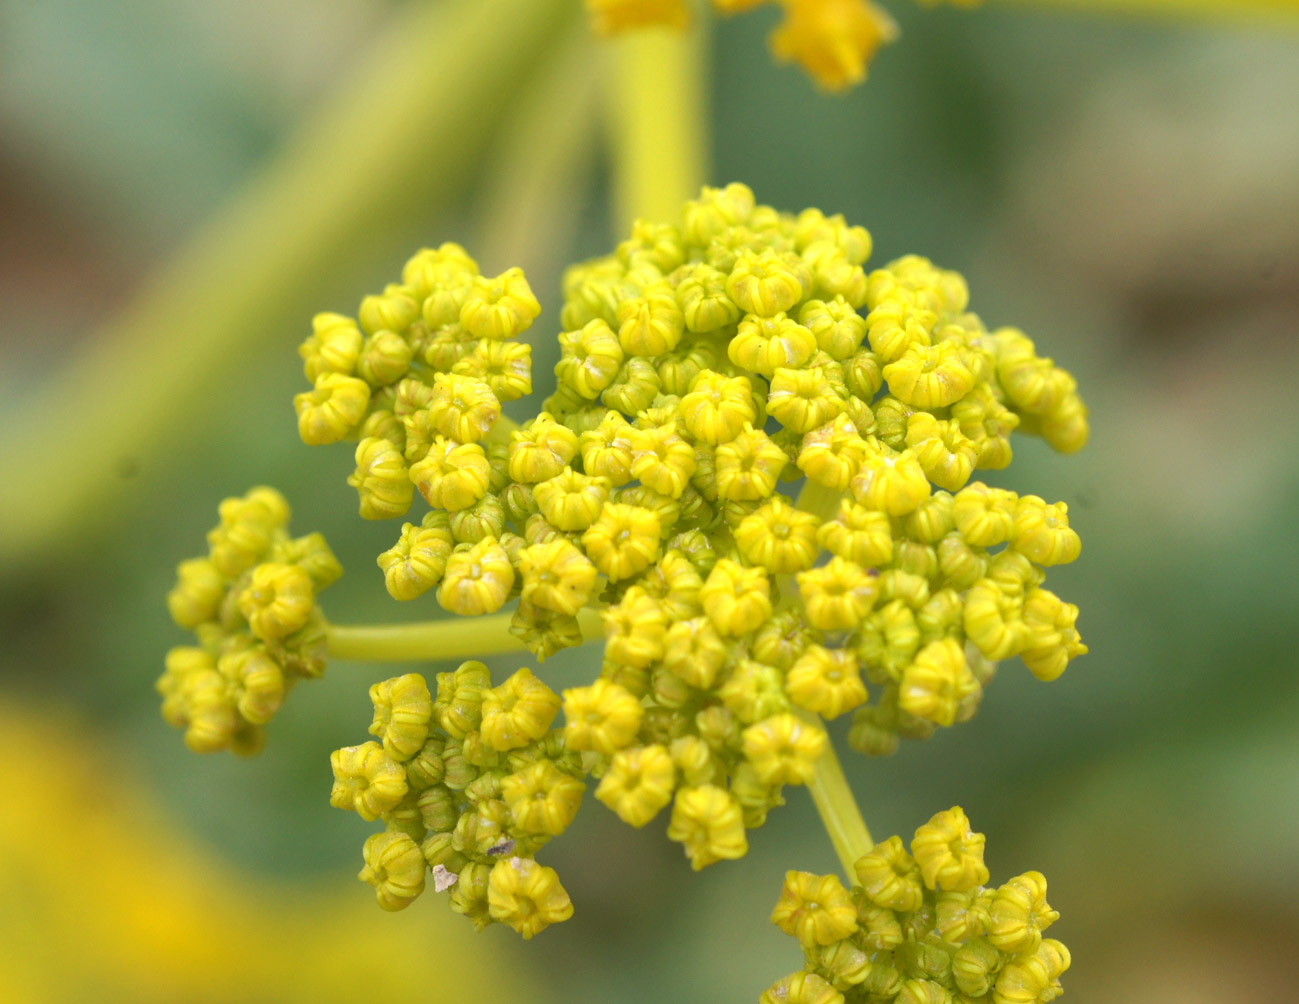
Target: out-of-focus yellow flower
[815,909]
[736,599]
[277,600]
[611,16]
[542,798]
[833,40]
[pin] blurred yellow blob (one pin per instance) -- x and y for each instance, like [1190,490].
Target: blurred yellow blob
[104,898]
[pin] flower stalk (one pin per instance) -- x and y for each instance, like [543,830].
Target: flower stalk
[439,640]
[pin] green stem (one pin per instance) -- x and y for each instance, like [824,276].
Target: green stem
[399,139]
[657,122]
[428,641]
[838,810]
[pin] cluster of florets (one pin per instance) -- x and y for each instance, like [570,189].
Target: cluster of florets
[704,365]
[251,604]
[417,380]
[833,40]
[920,928]
[470,785]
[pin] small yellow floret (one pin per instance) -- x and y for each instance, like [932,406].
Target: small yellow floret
[746,467]
[381,479]
[764,344]
[403,708]
[395,867]
[571,501]
[709,822]
[603,717]
[277,601]
[826,681]
[556,576]
[527,896]
[518,712]
[332,409]
[890,482]
[833,40]
[889,877]
[815,909]
[418,560]
[623,540]
[718,408]
[937,685]
[542,798]
[784,748]
[638,783]
[1020,913]
[736,599]
[949,853]
[478,579]
[502,307]
[366,780]
[839,595]
[1042,533]
[778,537]
[463,408]
[452,476]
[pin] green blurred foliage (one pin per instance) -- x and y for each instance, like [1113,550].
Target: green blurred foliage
[1125,192]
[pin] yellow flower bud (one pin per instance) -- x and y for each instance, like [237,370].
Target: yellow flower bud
[606,450]
[694,652]
[1029,979]
[381,479]
[650,324]
[764,284]
[394,310]
[833,40]
[889,877]
[1065,427]
[603,717]
[517,712]
[430,268]
[257,682]
[395,867]
[505,367]
[736,599]
[933,376]
[198,593]
[277,601]
[452,476]
[746,467]
[463,408]
[418,560]
[834,275]
[403,708]
[638,783]
[826,681]
[499,308]
[385,358]
[661,460]
[857,534]
[333,346]
[783,749]
[542,798]
[949,853]
[460,698]
[837,596]
[527,896]
[540,450]
[1042,533]
[623,540]
[708,821]
[778,537]
[994,619]
[891,482]
[984,516]
[1020,913]
[987,423]
[764,344]
[945,454]
[366,780]
[815,909]
[591,358]
[802,399]
[1032,384]
[974,967]
[837,327]
[705,304]
[938,684]
[556,576]
[478,579]
[634,387]
[831,453]
[800,987]
[718,408]
[1053,641]
[922,992]
[331,410]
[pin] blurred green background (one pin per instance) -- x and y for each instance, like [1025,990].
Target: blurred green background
[1127,191]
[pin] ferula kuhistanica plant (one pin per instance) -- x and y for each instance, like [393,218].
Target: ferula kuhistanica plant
[756,479]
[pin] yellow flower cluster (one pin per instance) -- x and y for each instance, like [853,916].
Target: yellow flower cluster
[920,928]
[833,40]
[704,365]
[469,784]
[416,380]
[251,604]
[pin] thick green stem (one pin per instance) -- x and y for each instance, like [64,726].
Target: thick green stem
[657,122]
[428,641]
[838,810]
[402,135]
